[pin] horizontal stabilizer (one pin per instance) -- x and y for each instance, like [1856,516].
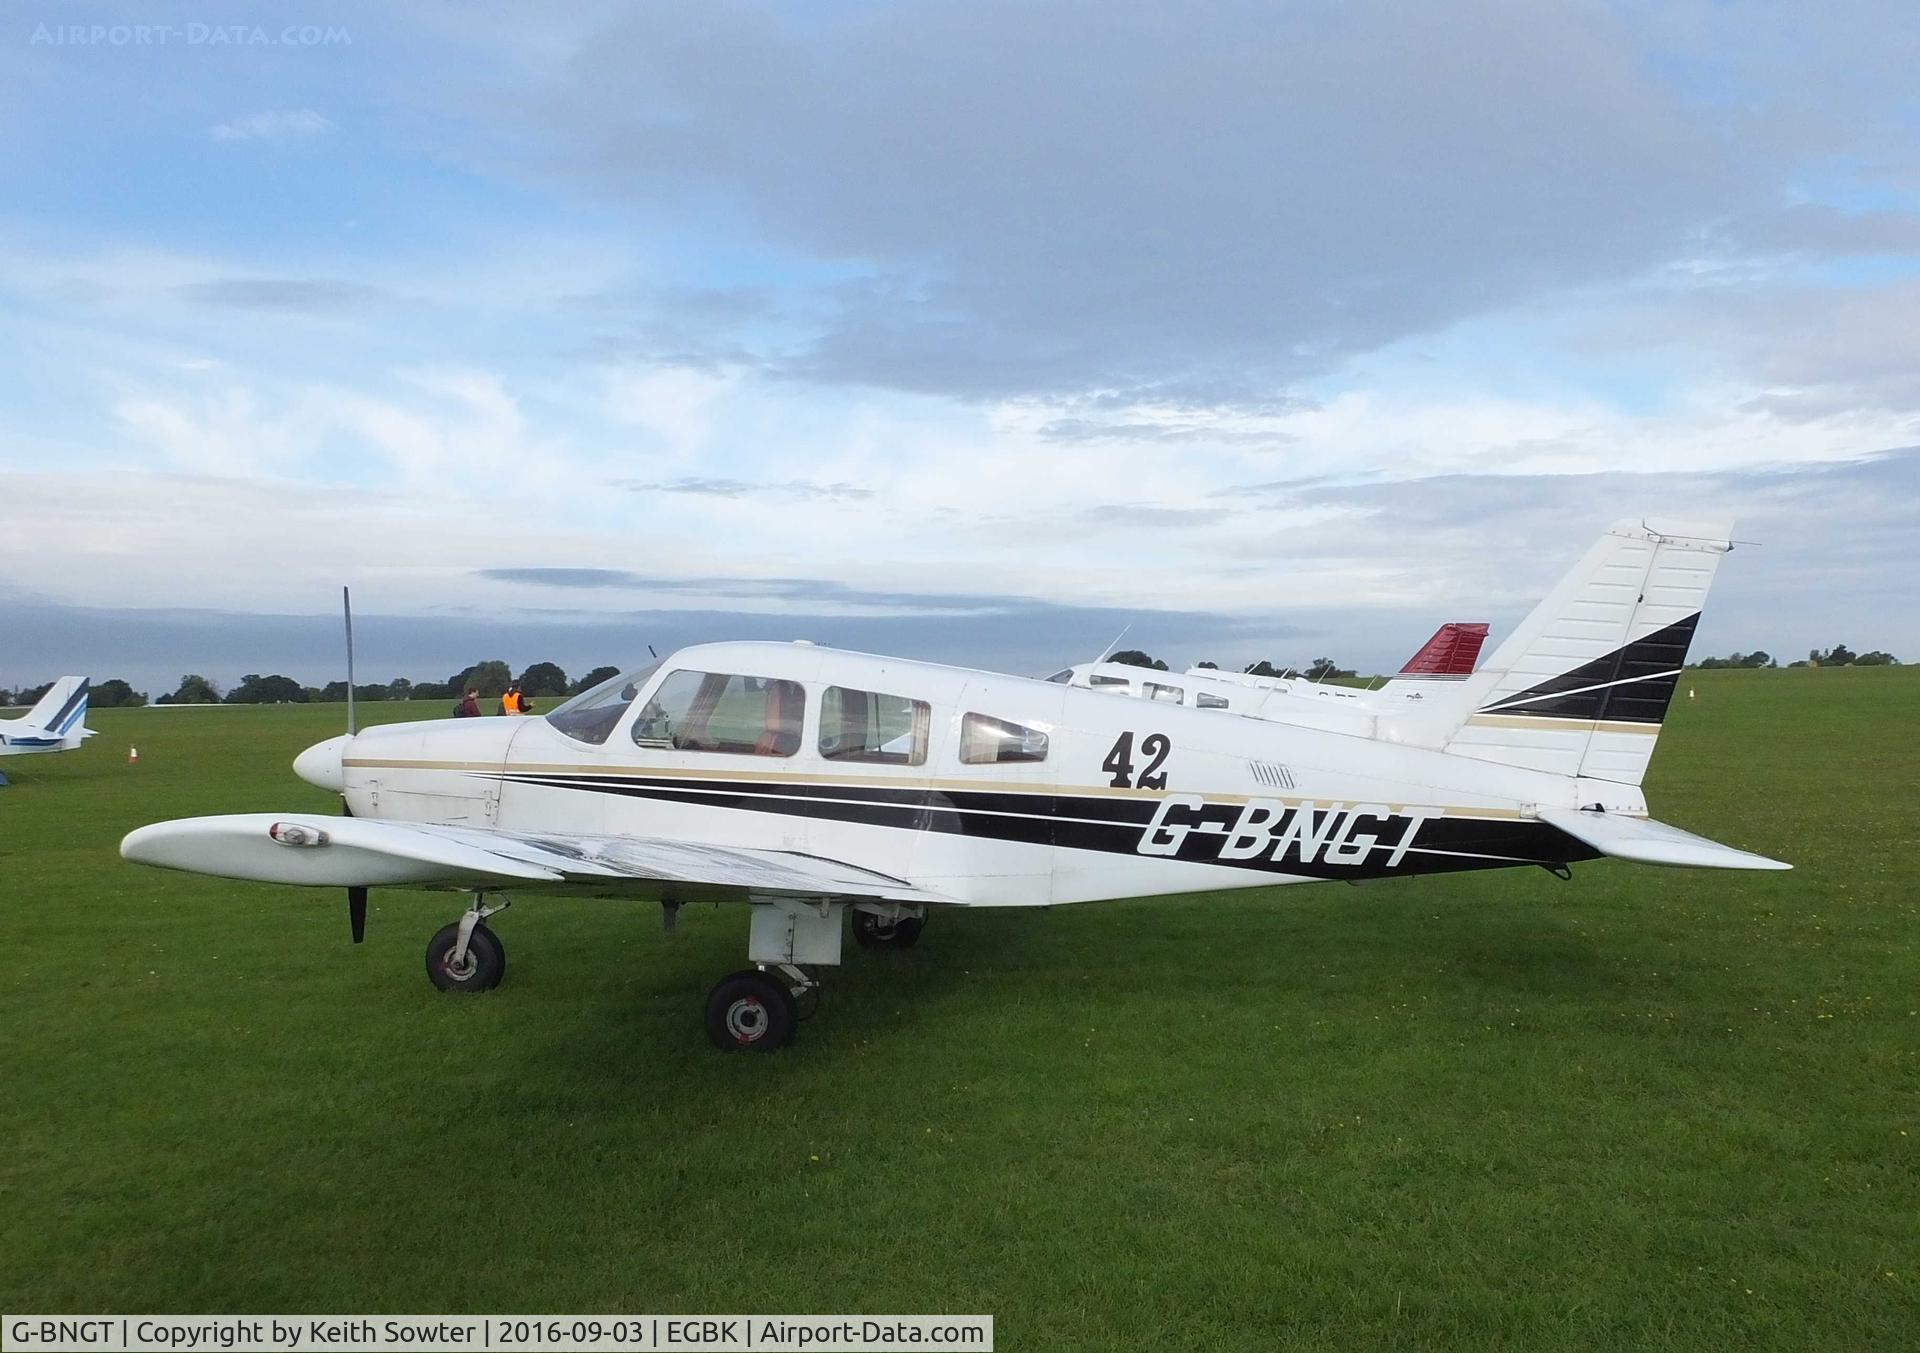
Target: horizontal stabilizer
[1650,842]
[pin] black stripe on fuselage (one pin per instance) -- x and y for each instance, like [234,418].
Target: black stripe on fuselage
[1190,832]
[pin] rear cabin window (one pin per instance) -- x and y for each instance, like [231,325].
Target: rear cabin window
[866,726]
[1207,700]
[986,741]
[721,712]
[1103,682]
[1173,695]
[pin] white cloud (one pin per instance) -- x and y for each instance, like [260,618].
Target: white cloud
[274,127]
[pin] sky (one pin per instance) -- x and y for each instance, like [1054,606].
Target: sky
[978,332]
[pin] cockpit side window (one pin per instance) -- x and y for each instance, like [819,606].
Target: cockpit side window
[722,712]
[593,714]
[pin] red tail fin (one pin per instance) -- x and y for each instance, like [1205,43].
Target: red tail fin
[1452,651]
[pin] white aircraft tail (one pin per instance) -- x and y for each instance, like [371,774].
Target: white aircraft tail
[61,713]
[1582,686]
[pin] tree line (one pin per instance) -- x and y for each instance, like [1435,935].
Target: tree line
[549,680]
[1837,656]
[489,678]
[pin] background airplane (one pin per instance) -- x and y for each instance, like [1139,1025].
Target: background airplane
[56,723]
[812,783]
[1449,655]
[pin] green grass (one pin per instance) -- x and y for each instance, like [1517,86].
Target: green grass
[1647,1108]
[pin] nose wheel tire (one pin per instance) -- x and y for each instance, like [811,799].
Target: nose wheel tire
[877,932]
[751,1012]
[484,966]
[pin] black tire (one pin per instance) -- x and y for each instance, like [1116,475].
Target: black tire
[486,959]
[751,1012]
[876,932]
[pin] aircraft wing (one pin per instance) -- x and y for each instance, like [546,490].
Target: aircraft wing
[323,851]
[1651,842]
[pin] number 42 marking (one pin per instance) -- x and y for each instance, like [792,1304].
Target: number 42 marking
[1119,762]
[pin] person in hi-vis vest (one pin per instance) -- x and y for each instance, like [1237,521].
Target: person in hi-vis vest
[513,702]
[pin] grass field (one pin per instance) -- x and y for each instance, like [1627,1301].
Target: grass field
[1645,1108]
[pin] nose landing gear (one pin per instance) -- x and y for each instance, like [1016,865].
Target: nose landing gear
[466,955]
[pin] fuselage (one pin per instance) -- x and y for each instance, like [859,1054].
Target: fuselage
[990,789]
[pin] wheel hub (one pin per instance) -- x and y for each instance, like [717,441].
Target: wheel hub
[747,1019]
[460,972]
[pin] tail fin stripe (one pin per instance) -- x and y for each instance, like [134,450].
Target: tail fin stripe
[74,704]
[1598,689]
[1610,688]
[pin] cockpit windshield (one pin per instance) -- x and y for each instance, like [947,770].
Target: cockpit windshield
[591,715]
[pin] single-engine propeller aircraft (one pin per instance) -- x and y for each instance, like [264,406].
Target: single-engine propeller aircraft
[808,782]
[56,723]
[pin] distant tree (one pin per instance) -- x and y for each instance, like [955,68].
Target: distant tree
[1322,668]
[1799,662]
[1759,658]
[543,678]
[30,695]
[592,679]
[1837,656]
[399,689]
[1876,659]
[1133,657]
[194,689]
[489,678]
[1210,666]
[1263,668]
[334,692]
[114,693]
[255,689]
[373,690]
[431,690]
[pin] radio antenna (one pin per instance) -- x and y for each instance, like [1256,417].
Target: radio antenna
[1108,650]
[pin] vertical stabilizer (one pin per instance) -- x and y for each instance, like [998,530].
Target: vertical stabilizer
[62,711]
[1582,686]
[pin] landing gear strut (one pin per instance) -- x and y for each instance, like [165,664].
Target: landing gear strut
[760,1007]
[467,955]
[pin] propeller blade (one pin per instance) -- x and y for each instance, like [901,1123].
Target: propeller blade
[357,912]
[346,605]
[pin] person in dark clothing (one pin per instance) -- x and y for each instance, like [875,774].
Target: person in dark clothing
[469,706]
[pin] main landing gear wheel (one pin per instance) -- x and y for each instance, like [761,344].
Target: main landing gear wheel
[751,1011]
[483,967]
[878,932]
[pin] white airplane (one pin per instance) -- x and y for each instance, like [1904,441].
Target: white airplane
[809,782]
[56,723]
[1448,656]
